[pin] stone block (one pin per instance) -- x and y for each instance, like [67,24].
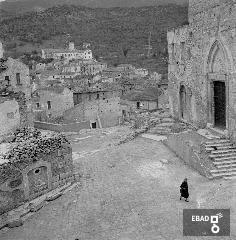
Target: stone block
[55,184]
[37,206]
[54,196]
[3,220]
[17,222]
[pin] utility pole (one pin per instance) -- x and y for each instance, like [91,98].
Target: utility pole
[149,45]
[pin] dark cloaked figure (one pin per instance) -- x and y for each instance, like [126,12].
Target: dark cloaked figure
[184,190]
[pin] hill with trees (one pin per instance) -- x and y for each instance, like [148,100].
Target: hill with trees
[116,34]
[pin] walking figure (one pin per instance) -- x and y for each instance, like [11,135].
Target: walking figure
[184,190]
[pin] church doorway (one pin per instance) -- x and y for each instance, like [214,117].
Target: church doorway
[182,94]
[219,104]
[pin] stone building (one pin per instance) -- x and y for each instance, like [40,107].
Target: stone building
[26,172]
[137,100]
[202,59]
[70,53]
[15,74]
[51,102]
[100,107]
[93,67]
[15,95]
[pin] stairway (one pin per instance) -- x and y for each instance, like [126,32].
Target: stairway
[223,154]
[165,127]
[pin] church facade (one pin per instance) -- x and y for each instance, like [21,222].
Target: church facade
[201,70]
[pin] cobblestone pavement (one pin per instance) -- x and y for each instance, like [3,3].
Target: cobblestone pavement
[130,192]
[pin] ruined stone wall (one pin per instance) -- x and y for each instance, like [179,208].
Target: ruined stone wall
[59,102]
[15,112]
[9,117]
[200,53]
[15,67]
[34,169]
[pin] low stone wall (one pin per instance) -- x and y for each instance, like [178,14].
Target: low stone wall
[186,145]
[71,127]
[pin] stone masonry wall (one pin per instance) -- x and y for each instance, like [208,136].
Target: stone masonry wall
[199,53]
[108,110]
[34,169]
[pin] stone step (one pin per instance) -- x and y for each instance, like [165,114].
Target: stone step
[230,177]
[217,141]
[222,163]
[224,151]
[225,158]
[221,148]
[164,124]
[222,174]
[167,120]
[219,155]
[219,145]
[227,170]
[226,166]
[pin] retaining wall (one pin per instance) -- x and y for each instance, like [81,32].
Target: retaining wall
[72,127]
[186,146]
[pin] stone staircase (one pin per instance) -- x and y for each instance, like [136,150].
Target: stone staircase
[223,154]
[165,126]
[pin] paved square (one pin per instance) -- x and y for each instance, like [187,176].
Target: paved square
[129,192]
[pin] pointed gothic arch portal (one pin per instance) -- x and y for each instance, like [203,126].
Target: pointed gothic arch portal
[217,69]
[182,96]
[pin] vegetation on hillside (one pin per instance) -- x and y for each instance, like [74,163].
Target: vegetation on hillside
[116,34]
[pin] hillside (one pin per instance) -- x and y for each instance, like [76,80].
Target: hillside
[20,6]
[110,31]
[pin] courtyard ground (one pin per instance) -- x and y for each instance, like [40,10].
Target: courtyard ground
[128,192]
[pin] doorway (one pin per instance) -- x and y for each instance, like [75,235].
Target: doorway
[138,105]
[94,125]
[219,104]
[182,95]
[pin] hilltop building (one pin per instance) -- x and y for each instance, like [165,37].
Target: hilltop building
[70,53]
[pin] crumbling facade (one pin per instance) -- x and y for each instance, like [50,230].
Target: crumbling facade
[201,71]
[33,169]
[15,95]
[51,102]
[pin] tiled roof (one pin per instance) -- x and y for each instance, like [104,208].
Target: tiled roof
[54,50]
[149,94]
[55,89]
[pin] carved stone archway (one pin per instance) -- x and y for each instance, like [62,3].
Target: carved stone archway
[217,83]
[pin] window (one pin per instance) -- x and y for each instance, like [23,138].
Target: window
[18,79]
[173,50]
[37,105]
[7,78]
[10,115]
[138,105]
[49,104]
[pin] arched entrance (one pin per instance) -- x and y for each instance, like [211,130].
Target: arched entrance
[217,86]
[182,97]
